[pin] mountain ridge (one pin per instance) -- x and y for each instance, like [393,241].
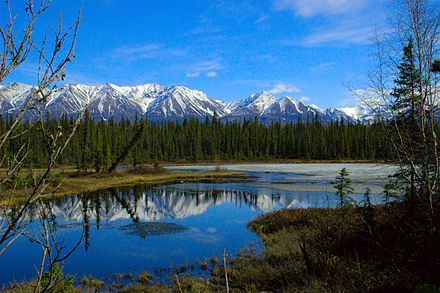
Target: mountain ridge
[162,103]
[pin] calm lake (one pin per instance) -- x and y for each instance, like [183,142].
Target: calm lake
[155,228]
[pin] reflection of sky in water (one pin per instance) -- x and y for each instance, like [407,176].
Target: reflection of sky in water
[144,228]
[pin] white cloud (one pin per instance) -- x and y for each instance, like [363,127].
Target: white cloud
[283,88]
[138,50]
[305,99]
[208,68]
[309,8]
[341,22]
[193,74]
[323,66]
[211,74]
[148,51]
[209,65]
[339,35]
[262,18]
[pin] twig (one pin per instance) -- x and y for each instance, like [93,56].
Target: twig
[226,271]
[178,284]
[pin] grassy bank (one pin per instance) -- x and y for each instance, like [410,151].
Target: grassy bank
[93,182]
[76,183]
[367,249]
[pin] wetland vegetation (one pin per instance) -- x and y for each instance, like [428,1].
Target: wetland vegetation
[67,181]
[56,224]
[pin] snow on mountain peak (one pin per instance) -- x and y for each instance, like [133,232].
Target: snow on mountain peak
[12,92]
[253,106]
[159,102]
[286,101]
[316,108]
[178,102]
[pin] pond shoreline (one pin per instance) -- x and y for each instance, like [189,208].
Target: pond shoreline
[77,183]
[270,161]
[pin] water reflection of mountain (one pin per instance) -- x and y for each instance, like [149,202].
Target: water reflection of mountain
[142,203]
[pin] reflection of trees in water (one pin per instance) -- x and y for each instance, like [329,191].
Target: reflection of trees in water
[85,205]
[158,202]
[122,197]
[143,204]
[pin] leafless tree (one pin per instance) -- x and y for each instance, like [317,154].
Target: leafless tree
[414,29]
[17,45]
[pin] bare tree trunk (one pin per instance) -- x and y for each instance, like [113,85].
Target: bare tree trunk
[127,149]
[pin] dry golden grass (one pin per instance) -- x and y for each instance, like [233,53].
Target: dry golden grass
[76,183]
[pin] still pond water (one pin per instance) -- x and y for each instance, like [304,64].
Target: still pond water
[154,228]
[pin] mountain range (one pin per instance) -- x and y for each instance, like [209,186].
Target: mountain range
[161,103]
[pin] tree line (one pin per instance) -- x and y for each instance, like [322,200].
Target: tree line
[98,144]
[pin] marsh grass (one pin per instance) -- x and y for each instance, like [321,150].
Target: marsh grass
[128,178]
[90,282]
[376,249]
[144,278]
[191,284]
[135,288]
[77,183]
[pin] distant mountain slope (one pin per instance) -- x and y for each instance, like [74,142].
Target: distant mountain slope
[178,102]
[363,113]
[160,103]
[289,110]
[254,106]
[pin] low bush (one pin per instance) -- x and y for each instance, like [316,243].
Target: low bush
[91,282]
[144,278]
[146,170]
[378,249]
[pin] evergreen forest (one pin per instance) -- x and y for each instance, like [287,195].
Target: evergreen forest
[97,144]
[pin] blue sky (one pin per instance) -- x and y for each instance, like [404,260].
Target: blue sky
[309,49]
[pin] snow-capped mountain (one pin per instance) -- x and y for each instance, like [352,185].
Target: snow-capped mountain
[108,101]
[13,95]
[333,114]
[179,102]
[70,99]
[158,102]
[289,110]
[362,112]
[254,106]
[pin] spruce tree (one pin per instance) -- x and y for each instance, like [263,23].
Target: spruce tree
[405,105]
[405,91]
[343,189]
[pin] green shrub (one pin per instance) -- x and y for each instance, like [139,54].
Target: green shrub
[56,282]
